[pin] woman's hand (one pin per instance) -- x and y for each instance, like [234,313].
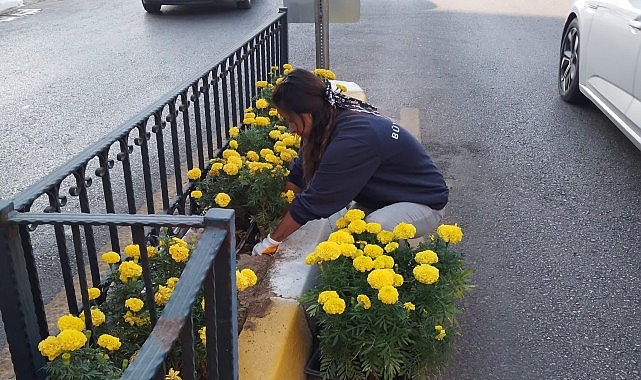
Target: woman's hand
[266,247]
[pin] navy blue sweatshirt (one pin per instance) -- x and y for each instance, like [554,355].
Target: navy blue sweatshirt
[372,161]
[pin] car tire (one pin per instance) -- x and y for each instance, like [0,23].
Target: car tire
[151,7]
[244,4]
[569,64]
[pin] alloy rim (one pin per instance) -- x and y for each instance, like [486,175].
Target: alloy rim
[569,59]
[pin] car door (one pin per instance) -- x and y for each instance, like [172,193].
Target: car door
[610,53]
[634,111]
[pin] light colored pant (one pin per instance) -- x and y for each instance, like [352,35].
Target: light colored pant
[424,218]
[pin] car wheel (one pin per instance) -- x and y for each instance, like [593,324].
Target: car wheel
[244,4]
[151,7]
[569,65]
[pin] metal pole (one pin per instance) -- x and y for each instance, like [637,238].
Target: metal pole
[321,14]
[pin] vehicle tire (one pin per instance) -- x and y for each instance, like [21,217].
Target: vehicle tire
[151,7]
[569,65]
[244,4]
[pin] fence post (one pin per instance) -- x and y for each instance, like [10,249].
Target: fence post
[16,303]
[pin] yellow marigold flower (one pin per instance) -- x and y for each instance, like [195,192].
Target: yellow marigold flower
[139,321]
[71,340]
[275,134]
[252,156]
[426,257]
[357,226]
[327,295]
[173,375]
[110,257]
[364,300]
[249,109]
[409,306]
[363,263]
[50,347]
[328,250]
[289,196]
[250,275]
[178,241]
[230,169]
[385,237]
[278,80]
[288,139]
[222,199]
[388,295]
[288,155]
[70,322]
[334,305]
[384,262]
[379,278]
[341,237]
[152,252]
[354,214]
[179,253]
[262,103]
[161,297]
[398,280]
[373,228]
[233,144]
[341,87]
[202,333]
[391,247]
[215,168]
[273,159]
[404,231]
[373,250]
[93,293]
[349,250]
[133,251]
[273,112]
[248,120]
[287,66]
[196,194]
[426,274]
[194,174]
[341,223]
[264,152]
[172,281]
[134,304]
[450,233]
[262,121]
[109,342]
[261,84]
[227,153]
[234,132]
[312,259]
[440,332]
[242,282]
[129,270]
[97,316]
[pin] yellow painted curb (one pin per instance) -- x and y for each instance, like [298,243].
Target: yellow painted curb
[276,346]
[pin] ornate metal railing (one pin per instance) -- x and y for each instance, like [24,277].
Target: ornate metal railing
[123,189]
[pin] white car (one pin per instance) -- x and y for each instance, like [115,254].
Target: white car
[601,60]
[153,6]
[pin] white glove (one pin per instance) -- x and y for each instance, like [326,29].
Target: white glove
[266,247]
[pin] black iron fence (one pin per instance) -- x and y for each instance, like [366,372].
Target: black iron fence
[123,189]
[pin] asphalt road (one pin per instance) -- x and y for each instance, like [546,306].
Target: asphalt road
[547,193]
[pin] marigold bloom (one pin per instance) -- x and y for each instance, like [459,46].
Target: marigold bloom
[341,223]
[274,134]
[379,278]
[93,293]
[161,297]
[151,252]
[398,280]
[173,375]
[202,333]
[341,87]
[364,300]
[222,199]
[252,156]
[135,320]
[327,295]
[426,257]
[450,233]
[388,295]
[426,274]
[385,237]
[172,281]
[129,270]
[50,347]
[404,231]
[234,132]
[273,112]
[71,340]
[196,194]
[312,259]
[363,263]
[179,253]
[231,169]
[178,241]
[194,174]
[109,342]
[250,276]
[262,121]
[278,80]
[133,251]
[289,196]
[341,237]
[373,250]
[391,247]
[409,306]
[110,257]
[97,316]
[233,144]
[287,66]
[248,120]
[349,250]
[134,304]
[262,103]
[70,322]
[440,332]
[334,305]
[373,228]
[383,262]
[354,214]
[328,250]
[262,83]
